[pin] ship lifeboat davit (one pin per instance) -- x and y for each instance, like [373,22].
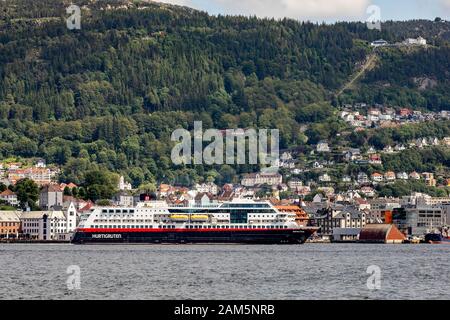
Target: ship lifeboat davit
[199,217]
[179,217]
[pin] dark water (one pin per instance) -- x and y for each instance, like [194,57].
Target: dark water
[310,271]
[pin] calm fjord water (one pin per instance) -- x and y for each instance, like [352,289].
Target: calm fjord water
[310,271]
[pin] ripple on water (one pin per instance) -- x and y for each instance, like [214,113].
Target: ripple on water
[310,271]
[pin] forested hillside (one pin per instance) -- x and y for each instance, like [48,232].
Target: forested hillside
[109,95]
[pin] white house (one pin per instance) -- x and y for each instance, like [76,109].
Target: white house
[9,197]
[379,43]
[346,179]
[368,191]
[209,187]
[325,178]
[253,179]
[377,177]
[388,149]
[414,175]
[418,41]
[363,178]
[294,184]
[123,185]
[402,176]
[41,163]
[123,198]
[323,146]
[389,176]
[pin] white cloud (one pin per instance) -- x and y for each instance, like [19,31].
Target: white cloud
[297,9]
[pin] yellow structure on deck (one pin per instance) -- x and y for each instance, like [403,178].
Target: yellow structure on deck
[181,217]
[199,217]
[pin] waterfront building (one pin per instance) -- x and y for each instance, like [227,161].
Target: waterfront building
[9,224]
[49,225]
[381,233]
[325,220]
[345,234]
[338,216]
[418,220]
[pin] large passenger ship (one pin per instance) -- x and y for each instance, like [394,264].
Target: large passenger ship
[238,221]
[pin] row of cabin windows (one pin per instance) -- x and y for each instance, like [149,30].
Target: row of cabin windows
[117,210]
[190,227]
[131,211]
[236,227]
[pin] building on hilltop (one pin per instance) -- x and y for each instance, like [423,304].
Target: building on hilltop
[9,197]
[254,179]
[123,185]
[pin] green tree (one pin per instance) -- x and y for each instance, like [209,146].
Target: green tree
[27,193]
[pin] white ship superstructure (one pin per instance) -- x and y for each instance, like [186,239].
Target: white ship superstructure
[156,222]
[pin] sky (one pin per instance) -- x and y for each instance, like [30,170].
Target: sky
[326,10]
